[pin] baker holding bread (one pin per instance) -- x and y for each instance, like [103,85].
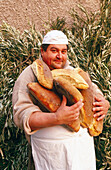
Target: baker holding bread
[55,147]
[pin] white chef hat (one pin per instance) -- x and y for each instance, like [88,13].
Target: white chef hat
[55,37]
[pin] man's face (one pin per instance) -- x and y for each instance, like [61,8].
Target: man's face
[55,56]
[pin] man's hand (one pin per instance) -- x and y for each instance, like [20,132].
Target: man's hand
[101,106]
[68,114]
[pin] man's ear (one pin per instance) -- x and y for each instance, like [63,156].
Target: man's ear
[42,51]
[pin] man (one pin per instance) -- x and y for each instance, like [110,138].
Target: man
[53,146]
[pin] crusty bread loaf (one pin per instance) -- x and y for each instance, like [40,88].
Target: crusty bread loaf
[48,98]
[43,73]
[95,127]
[73,77]
[64,87]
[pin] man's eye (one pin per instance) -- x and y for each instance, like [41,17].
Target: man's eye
[64,51]
[54,51]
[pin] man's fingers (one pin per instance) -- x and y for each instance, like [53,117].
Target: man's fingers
[96,109]
[98,114]
[98,98]
[78,105]
[97,104]
[101,117]
[74,116]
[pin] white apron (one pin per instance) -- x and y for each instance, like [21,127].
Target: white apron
[56,148]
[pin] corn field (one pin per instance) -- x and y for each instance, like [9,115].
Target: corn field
[89,48]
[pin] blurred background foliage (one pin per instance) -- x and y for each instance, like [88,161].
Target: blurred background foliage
[89,48]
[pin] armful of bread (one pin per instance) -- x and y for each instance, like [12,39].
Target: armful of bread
[49,100]
[74,85]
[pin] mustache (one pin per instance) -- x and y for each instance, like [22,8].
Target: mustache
[59,59]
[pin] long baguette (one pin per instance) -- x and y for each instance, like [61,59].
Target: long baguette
[94,127]
[72,94]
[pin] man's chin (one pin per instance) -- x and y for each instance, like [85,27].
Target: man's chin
[57,66]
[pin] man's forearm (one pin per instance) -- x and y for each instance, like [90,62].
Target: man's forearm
[39,120]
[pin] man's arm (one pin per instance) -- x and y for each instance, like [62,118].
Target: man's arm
[23,106]
[64,115]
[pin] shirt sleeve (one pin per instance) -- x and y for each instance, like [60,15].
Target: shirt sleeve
[23,106]
[96,90]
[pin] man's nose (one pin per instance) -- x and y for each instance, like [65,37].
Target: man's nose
[59,55]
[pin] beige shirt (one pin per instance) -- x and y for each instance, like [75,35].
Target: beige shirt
[23,107]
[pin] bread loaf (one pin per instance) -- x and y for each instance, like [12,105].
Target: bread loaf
[47,98]
[64,87]
[73,77]
[43,73]
[95,127]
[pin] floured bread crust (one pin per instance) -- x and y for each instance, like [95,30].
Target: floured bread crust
[73,77]
[43,73]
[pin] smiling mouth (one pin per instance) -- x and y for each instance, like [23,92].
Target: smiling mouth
[58,61]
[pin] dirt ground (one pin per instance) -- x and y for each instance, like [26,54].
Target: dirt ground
[20,13]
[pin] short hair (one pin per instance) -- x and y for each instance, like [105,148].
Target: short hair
[45,46]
